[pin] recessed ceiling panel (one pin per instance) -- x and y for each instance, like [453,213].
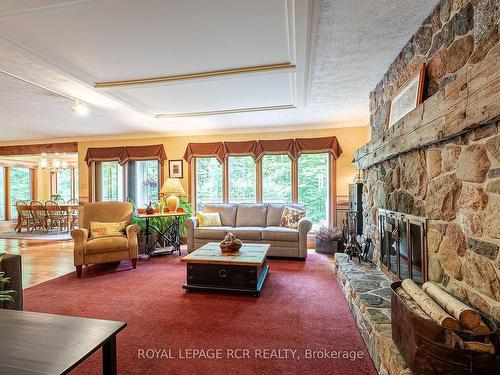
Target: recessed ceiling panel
[129,39]
[208,95]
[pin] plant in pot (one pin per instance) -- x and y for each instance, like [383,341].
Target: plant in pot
[328,240]
[5,295]
[163,222]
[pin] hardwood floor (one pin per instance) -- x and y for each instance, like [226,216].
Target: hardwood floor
[41,260]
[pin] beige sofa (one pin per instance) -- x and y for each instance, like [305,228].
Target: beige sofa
[252,223]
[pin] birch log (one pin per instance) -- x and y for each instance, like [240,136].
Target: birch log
[410,302]
[429,306]
[466,315]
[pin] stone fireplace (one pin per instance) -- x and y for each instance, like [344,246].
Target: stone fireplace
[438,165]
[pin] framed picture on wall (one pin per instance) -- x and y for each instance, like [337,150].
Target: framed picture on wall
[175,169]
[407,98]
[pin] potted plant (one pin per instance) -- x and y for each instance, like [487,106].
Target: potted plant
[5,295]
[163,222]
[327,240]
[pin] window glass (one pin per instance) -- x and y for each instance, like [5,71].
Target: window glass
[111,181]
[20,187]
[2,193]
[276,179]
[242,179]
[313,186]
[76,183]
[146,182]
[64,184]
[208,182]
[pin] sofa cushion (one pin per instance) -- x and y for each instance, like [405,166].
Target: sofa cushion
[275,210]
[290,217]
[227,212]
[247,233]
[211,233]
[276,233]
[106,245]
[251,215]
[208,219]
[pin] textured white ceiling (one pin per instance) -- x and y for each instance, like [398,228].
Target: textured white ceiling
[68,48]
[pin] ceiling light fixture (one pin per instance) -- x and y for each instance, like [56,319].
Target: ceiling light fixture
[80,108]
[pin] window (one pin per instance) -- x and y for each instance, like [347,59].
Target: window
[64,185]
[20,187]
[143,183]
[242,179]
[208,182]
[2,193]
[112,186]
[313,186]
[276,179]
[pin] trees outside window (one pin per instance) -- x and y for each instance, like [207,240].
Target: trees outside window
[208,182]
[313,186]
[20,187]
[146,182]
[242,179]
[276,179]
[64,185]
[112,183]
[2,193]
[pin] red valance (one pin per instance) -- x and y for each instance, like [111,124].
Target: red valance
[213,149]
[292,147]
[243,148]
[316,145]
[277,146]
[124,154]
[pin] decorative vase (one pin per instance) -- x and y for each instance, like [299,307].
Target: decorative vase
[150,209]
[172,203]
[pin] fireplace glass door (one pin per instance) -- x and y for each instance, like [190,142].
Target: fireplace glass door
[402,245]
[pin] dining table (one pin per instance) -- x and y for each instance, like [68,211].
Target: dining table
[66,208]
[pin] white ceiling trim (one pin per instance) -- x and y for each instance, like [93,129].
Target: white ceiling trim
[226,111]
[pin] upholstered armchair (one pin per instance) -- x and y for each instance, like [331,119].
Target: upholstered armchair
[89,250]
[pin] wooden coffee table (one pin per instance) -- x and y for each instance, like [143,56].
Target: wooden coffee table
[210,270]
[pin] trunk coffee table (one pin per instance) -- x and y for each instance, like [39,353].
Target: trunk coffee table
[210,270]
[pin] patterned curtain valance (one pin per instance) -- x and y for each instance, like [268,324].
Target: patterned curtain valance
[124,154]
[292,147]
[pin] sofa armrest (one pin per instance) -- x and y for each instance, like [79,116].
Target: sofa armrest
[132,231]
[80,236]
[305,226]
[190,224]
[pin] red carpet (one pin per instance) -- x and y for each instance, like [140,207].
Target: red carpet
[301,307]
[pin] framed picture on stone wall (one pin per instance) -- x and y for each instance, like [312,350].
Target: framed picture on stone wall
[407,98]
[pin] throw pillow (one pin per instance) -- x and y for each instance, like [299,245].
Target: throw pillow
[206,219]
[290,217]
[98,229]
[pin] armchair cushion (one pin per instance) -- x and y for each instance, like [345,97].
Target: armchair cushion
[98,229]
[106,245]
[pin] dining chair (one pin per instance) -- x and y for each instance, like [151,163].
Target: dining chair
[39,215]
[56,216]
[73,212]
[24,218]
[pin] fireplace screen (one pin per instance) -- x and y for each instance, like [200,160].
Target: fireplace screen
[403,245]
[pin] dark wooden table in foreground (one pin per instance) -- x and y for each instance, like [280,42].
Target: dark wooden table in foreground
[35,343]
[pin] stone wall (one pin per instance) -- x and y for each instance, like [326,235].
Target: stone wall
[454,183]
[458,32]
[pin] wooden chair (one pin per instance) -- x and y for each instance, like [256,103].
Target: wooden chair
[24,218]
[39,215]
[56,216]
[73,212]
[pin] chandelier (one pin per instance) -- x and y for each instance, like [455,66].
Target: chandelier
[53,165]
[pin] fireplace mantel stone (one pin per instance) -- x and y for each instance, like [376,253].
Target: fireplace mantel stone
[368,294]
[471,100]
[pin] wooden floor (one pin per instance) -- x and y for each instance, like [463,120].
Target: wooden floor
[41,260]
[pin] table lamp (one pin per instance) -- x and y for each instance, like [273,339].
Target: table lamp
[172,188]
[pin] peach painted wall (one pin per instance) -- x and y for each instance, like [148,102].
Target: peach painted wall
[350,139]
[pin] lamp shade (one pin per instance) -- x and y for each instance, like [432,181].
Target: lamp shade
[173,186]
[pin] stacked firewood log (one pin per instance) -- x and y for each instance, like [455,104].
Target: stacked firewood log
[432,303]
